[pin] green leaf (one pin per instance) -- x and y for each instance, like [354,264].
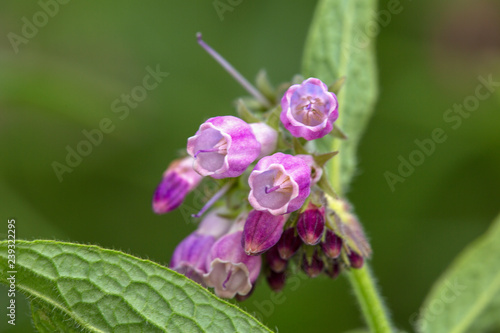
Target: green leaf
[467,296]
[86,288]
[338,45]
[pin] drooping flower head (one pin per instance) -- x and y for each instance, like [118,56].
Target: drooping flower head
[190,256]
[178,180]
[279,184]
[324,236]
[309,109]
[223,147]
[230,270]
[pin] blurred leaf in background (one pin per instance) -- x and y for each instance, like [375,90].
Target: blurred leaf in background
[65,79]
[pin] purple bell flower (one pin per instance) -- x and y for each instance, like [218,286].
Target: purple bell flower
[190,256]
[223,147]
[230,270]
[262,231]
[178,180]
[279,184]
[308,110]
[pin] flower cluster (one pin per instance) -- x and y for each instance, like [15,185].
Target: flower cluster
[275,211]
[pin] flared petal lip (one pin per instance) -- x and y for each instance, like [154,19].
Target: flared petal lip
[185,266]
[299,129]
[254,202]
[219,290]
[190,149]
[320,126]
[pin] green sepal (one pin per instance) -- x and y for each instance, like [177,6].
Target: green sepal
[273,117]
[323,158]
[298,147]
[245,113]
[264,85]
[338,133]
[337,85]
[325,185]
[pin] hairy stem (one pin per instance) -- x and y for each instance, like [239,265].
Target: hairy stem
[362,280]
[369,299]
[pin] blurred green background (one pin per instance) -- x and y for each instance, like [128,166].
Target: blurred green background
[63,81]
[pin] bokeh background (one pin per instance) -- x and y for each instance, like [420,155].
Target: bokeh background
[63,81]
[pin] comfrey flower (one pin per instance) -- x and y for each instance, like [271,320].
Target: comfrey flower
[178,180]
[223,147]
[279,184]
[309,109]
[230,270]
[276,210]
[190,256]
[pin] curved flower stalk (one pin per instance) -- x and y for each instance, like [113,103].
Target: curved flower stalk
[278,207]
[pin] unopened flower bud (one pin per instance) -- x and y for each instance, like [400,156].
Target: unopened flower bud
[178,180]
[333,269]
[316,170]
[355,260]
[279,184]
[276,280]
[312,266]
[311,224]
[332,244]
[267,137]
[309,109]
[223,147]
[262,231]
[288,244]
[276,264]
